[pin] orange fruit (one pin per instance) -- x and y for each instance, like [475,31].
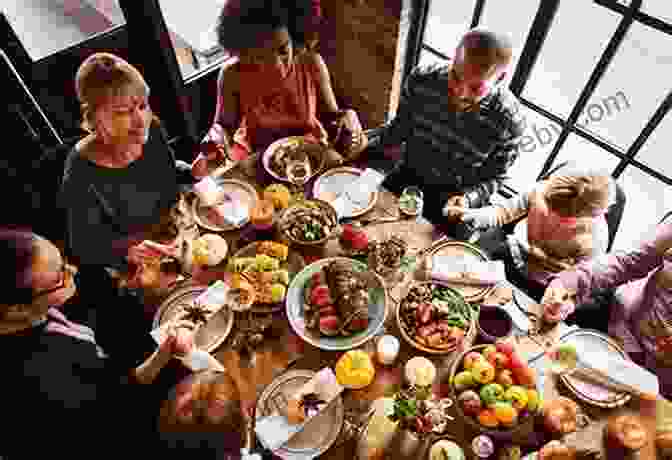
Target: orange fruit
[488,418]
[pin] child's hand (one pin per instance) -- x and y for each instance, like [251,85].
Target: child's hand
[558,303]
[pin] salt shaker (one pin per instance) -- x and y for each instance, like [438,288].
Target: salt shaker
[388,349]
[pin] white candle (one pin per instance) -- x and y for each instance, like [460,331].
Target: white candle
[388,349]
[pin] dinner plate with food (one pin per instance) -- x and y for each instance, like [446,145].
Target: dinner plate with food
[202,306]
[435,318]
[267,267]
[223,205]
[336,304]
[284,151]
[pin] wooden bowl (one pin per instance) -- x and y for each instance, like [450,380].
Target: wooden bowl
[289,214]
[467,341]
[498,434]
[317,154]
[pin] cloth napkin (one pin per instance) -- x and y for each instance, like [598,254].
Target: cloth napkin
[357,194]
[207,191]
[274,430]
[621,371]
[232,212]
[467,271]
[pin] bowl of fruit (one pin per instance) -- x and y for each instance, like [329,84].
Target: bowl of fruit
[495,390]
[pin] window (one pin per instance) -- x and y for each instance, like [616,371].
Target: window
[45,27]
[621,104]
[655,153]
[661,9]
[647,201]
[191,26]
[537,142]
[497,16]
[446,23]
[586,154]
[569,55]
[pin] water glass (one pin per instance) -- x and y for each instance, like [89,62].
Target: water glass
[411,201]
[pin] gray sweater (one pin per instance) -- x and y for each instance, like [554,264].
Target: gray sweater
[107,207]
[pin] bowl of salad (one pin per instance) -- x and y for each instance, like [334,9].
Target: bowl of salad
[308,223]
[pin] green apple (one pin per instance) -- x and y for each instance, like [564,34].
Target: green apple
[463,380]
[491,393]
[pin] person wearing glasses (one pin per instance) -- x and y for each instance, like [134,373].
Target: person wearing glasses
[460,128]
[640,314]
[57,378]
[273,87]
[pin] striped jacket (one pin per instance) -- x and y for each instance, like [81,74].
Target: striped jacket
[460,152]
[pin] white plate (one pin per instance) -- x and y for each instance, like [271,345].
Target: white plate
[335,181]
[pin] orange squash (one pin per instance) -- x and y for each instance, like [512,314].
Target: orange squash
[556,450]
[262,213]
[626,432]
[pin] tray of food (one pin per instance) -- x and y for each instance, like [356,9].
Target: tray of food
[240,194]
[308,223]
[213,323]
[283,151]
[465,252]
[336,304]
[318,435]
[435,318]
[334,182]
[269,267]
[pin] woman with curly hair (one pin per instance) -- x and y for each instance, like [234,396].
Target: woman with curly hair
[273,87]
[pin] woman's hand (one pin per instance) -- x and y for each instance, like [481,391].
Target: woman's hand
[179,341]
[558,302]
[357,140]
[212,153]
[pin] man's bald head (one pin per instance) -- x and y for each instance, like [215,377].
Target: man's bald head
[485,50]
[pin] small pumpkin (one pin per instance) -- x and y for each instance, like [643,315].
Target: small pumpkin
[664,444]
[556,450]
[560,415]
[355,370]
[279,195]
[626,432]
[262,213]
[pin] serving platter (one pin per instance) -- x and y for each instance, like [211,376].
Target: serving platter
[334,182]
[279,147]
[237,190]
[294,264]
[210,335]
[319,434]
[295,313]
[466,251]
[589,392]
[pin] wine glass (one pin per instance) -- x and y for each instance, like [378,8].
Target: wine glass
[298,172]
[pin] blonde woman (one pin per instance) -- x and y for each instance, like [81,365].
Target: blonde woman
[121,178]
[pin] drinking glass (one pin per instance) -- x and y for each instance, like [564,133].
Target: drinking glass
[298,172]
[411,201]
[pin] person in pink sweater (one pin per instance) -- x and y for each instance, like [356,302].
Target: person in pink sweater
[641,316]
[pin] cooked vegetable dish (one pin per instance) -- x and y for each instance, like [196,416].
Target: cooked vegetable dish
[296,151]
[435,316]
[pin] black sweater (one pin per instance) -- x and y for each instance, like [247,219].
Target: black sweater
[62,399]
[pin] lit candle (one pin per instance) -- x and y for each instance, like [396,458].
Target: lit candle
[388,349]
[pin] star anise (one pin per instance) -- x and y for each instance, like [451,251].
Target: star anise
[311,403]
[195,314]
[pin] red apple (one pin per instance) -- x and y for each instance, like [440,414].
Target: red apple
[515,362]
[499,360]
[505,378]
[348,232]
[505,347]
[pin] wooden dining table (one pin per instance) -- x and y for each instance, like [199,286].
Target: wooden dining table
[288,351]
